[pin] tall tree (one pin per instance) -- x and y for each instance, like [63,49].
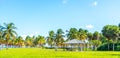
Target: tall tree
[9,32]
[59,37]
[51,38]
[111,32]
[119,30]
[28,41]
[90,36]
[72,34]
[40,40]
[95,44]
[20,41]
[34,41]
[1,33]
[1,36]
[103,39]
[96,35]
[82,34]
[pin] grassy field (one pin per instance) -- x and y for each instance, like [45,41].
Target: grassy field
[50,53]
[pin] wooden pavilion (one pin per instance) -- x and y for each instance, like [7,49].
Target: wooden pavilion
[75,44]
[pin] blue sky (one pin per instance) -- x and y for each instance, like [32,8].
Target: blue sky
[33,17]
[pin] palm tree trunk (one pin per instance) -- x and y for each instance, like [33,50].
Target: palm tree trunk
[113,46]
[51,45]
[7,46]
[108,46]
[95,48]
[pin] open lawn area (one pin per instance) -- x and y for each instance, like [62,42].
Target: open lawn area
[51,53]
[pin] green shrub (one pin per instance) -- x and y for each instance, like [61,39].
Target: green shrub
[104,47]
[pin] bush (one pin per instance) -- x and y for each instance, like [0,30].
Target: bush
[104,47]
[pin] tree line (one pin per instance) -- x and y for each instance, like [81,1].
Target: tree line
[108,34]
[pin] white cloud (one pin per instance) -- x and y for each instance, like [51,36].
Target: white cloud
[64,1]
[95,3]
[24,36]
[31,35]
[36,33]
[89,26]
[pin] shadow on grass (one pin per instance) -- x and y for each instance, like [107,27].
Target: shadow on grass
[115,54]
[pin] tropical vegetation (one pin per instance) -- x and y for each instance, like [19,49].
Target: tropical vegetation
[110,34]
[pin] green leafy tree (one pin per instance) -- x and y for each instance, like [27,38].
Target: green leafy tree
[90,36]
[72,34]
[103,39]
[111,32]
[20,41]
[41,40]
[96,35]
[59,37]
[1,34]
[28,41]
[119,33]
[9,32]
[82,34]
[51,38]
[95,44]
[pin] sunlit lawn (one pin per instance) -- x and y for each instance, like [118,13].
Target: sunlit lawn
[51,53]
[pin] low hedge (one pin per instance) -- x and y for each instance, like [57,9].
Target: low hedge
[104,47]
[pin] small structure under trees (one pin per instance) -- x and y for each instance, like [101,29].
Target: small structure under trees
[75,44]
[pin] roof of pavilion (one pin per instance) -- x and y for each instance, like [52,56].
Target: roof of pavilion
[75,41]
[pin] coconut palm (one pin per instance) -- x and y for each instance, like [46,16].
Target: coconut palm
[90,36]
[95,44]
[1,33]
[59,37]
[40,40]
[20,41]
[34,41]
[28,41]
[72,34]
[103,39]
[51,38]
[9,32]
[96,35]
[111,32]
[119,33]
[82,34]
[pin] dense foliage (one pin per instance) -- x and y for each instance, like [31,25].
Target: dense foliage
[104,47]
[110,34]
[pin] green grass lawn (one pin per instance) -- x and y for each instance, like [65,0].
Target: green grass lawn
[50,53]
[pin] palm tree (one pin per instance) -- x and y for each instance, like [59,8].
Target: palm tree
[72,34]
[41,40]
[119,30]
[1,35]
[90,36]
[9,32]
[20,41]
[95,44]
[51,38]
[96,35]
[28,41]
[82,34]
[103,39]
[111,32]
[96,39]
[34,41]
[59,37]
